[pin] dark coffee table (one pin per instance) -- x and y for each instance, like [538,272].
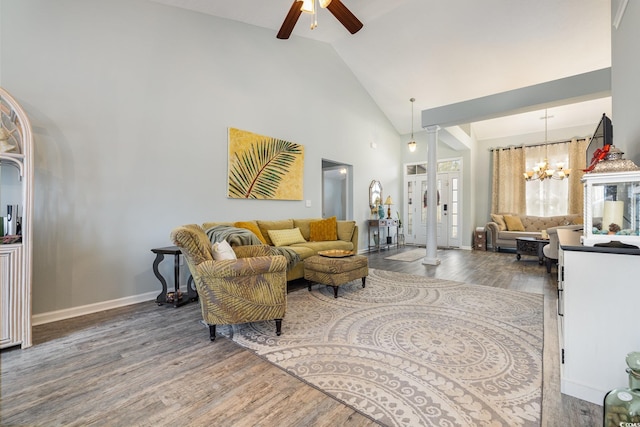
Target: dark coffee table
[531,246]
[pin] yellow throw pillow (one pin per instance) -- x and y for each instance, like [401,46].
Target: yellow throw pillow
[499,219]
[286,237]
[252,227]
[513,223]
[323,230]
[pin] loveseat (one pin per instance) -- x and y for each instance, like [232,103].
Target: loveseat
[504,229]
[312,235]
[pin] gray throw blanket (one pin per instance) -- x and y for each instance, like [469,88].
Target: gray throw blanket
[242,237]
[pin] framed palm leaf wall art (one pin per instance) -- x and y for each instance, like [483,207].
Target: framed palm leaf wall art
[263,167]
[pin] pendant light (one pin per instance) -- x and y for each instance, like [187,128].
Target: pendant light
[412,142]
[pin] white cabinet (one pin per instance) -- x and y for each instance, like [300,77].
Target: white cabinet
[599,320]
[16,189]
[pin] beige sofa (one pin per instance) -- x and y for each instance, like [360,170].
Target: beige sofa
[346,237]
[504,229]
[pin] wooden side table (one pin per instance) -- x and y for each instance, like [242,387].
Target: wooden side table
[480,240]
[177,300]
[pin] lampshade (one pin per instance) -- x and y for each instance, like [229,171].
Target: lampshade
[308,6]
[412,146]
[388,201]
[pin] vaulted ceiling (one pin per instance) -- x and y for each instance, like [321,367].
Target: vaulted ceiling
[446,51]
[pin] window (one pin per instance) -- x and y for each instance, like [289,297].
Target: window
[551,196]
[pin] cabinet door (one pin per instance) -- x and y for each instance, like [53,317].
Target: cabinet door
[9,255]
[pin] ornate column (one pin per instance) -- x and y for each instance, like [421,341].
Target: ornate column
[432,197]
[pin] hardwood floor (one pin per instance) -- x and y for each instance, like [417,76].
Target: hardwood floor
[147,365]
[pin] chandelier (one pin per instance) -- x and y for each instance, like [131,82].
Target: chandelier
[412,143]
[543,170]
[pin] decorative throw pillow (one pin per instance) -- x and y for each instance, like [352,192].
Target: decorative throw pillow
[514,223]
[286,237]
[499,219]
[252,227]
[323,230]
[222,250]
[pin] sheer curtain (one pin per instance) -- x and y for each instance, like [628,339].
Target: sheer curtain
[549,197]
[556,197]
[508,186]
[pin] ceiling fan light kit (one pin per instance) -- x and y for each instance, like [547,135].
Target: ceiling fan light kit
[336,7]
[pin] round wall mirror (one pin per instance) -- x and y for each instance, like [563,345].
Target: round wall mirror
[375,194]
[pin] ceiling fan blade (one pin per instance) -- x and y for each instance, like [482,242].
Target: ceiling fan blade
[290,20]
[344,15]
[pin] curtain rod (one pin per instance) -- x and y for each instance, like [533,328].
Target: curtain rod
[538,144]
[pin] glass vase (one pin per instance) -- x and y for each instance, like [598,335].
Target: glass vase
[622,405]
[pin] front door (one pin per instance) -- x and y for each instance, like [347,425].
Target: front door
[449,209]
[448,213]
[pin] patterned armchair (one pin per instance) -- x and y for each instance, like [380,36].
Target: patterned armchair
[248,289]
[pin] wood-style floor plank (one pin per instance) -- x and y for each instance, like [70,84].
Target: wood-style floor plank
[146,365]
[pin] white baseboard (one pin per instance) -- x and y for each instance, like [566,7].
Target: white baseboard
[67,313]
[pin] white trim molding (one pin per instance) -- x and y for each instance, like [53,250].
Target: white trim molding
[622,6]
[54,316]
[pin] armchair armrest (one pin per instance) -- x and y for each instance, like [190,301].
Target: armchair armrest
[243,266]
[252,251]
[492,235]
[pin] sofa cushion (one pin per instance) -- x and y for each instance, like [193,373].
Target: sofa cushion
[513,223]
[323,230]
[499,219]
[265,226]
[345,230]
[222,250]
[285,237]
[304,226]
[251,226]
[537,223]
[325,246]
[302,250]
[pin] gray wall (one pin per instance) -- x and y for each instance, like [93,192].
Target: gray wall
[625,90]
[130,102]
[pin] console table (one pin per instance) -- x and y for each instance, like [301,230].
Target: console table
[177,299]
[382,228]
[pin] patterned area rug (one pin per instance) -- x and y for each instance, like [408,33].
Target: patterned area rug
[411,255]
[413,351]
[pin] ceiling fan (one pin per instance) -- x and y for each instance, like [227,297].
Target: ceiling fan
[339,10]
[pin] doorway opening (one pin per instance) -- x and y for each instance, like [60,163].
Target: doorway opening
[337,190]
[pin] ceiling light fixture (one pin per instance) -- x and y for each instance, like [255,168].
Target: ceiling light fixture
[542,171]
[309,6]
[412,143]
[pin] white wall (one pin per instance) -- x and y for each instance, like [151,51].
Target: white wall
[625,90]
[130,103]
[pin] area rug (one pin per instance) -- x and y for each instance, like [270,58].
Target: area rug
[412,255]
[413,351]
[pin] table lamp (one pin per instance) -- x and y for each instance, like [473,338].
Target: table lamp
[388,202]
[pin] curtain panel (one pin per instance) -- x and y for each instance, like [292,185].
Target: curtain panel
[577,163]
[511,193]
[508,186]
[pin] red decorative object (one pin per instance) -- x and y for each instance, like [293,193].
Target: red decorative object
[597,156]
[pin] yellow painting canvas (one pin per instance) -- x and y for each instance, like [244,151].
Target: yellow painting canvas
[263,167]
